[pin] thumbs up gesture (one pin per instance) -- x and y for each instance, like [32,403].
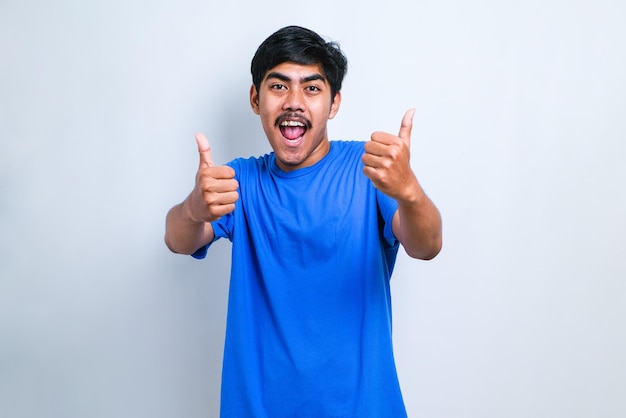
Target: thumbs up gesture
[215,192]
[387,161]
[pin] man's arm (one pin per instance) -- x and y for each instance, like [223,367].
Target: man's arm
[417,225]
[187,225]
[184,236]
[417,222]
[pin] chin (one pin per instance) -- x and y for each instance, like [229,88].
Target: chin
[288,163]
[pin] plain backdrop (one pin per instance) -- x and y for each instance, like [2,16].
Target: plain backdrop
[519,138]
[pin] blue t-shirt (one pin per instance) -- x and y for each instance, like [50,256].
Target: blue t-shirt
[309,313]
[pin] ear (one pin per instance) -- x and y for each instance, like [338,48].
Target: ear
[254,99]
[334,106]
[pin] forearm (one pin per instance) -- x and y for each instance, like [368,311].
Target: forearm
[417,225]
[182,234]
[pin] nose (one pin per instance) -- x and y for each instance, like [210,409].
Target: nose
[294,101]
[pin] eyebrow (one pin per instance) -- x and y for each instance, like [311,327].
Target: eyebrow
[286,79]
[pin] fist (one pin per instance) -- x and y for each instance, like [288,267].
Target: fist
[215,192]
[387,162]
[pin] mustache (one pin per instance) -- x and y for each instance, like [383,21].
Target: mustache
[292,116]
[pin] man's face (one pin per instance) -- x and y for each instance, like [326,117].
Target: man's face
[295,104]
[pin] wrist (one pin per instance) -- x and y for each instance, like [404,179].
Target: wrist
[412,194]
[187,212]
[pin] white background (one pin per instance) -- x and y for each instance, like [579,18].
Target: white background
[519,138]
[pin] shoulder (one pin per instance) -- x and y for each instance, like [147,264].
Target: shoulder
[347,150]
[250,165]
[347,146]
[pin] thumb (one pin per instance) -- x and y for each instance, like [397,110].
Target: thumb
[204,149]
[407,125]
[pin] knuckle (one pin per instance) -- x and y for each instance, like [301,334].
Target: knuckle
[386,164]
[376,135]
[208,200]
[206,186]
[211,199]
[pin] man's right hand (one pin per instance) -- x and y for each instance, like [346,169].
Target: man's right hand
[215,192]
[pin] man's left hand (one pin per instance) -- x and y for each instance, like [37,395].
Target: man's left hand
[387,161]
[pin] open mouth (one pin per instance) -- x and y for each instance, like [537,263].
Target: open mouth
[293,128]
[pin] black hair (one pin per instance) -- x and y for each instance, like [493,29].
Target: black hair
[301,46]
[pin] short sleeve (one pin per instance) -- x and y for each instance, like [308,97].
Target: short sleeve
[222,229]
[387,207]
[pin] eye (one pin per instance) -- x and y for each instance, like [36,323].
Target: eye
[278,86]
[313,89]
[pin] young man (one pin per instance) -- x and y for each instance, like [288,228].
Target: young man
[315,226]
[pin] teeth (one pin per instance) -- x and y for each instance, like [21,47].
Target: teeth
[291,123]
